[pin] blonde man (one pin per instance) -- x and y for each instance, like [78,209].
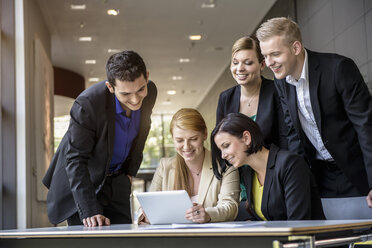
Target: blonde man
[327,108]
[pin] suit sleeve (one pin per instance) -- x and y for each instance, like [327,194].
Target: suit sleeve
[297,188]
[228,198]
[81,140]
[358,106]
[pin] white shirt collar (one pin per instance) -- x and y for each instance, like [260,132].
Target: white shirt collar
[304,73]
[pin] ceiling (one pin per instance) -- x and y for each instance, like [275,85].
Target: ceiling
[159,31]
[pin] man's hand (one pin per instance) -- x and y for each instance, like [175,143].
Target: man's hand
[369,199]
[96,220]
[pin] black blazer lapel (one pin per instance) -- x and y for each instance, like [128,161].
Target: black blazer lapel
[247,172]
[314,80]
[292,106]
[110,117]
[247,175]
[234,104]
[270,173]
[263,96]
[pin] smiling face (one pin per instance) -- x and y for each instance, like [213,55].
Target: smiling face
[245,67]
[189,143]
[281,57]
[130,94]
[233,148]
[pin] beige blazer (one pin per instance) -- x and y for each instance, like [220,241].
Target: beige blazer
[218,197]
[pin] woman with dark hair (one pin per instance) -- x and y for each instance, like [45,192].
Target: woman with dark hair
[191,170]
[279,184]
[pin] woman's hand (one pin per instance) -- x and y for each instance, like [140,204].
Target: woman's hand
[197,214]
[142,219]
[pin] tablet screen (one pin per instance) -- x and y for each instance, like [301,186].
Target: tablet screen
[165,207]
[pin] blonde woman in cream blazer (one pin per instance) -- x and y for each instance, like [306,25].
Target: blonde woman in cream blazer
[191,170]
[218,197]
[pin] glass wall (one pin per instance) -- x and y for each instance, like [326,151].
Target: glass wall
[159,142]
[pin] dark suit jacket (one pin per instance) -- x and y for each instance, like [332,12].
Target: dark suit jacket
[269,113]
[342,107]
[79,167]
[289,191]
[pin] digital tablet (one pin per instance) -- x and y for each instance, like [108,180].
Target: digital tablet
[165,207]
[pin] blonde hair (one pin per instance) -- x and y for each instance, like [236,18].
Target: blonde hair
[279,26]
[247,43]
[188,119]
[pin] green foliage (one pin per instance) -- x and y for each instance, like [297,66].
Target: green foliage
[155,148]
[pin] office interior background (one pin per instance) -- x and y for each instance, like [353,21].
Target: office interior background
[50,52]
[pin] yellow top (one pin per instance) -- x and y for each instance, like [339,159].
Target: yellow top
[257,192]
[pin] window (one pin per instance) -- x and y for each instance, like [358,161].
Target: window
[60,127]
[159,142]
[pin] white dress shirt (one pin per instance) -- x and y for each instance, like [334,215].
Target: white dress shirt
[306,114]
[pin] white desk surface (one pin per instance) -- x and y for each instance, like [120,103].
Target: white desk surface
[259,228]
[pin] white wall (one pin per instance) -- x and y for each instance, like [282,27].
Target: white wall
[339,26]
[34,27]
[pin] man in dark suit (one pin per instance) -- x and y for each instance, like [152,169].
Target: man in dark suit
[89,178]
[327,109]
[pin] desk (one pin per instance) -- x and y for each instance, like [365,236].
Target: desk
[248,234]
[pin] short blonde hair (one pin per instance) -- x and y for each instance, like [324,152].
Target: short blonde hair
[247,43]
[279,26]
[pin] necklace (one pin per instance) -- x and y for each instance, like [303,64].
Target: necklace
[254,95]
[196,173]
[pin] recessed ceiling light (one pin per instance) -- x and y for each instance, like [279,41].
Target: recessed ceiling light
[177,78]
[111,50]
[86,38]
[195,37]
[90,61]
[208,5]
[113,12]
[93,79]
[184,60]
[77,6]
[167,102]
[171,92]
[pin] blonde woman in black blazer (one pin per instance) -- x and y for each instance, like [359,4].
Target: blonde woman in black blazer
[254,96]
[289,190]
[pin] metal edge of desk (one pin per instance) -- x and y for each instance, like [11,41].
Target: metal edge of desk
[188,232]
